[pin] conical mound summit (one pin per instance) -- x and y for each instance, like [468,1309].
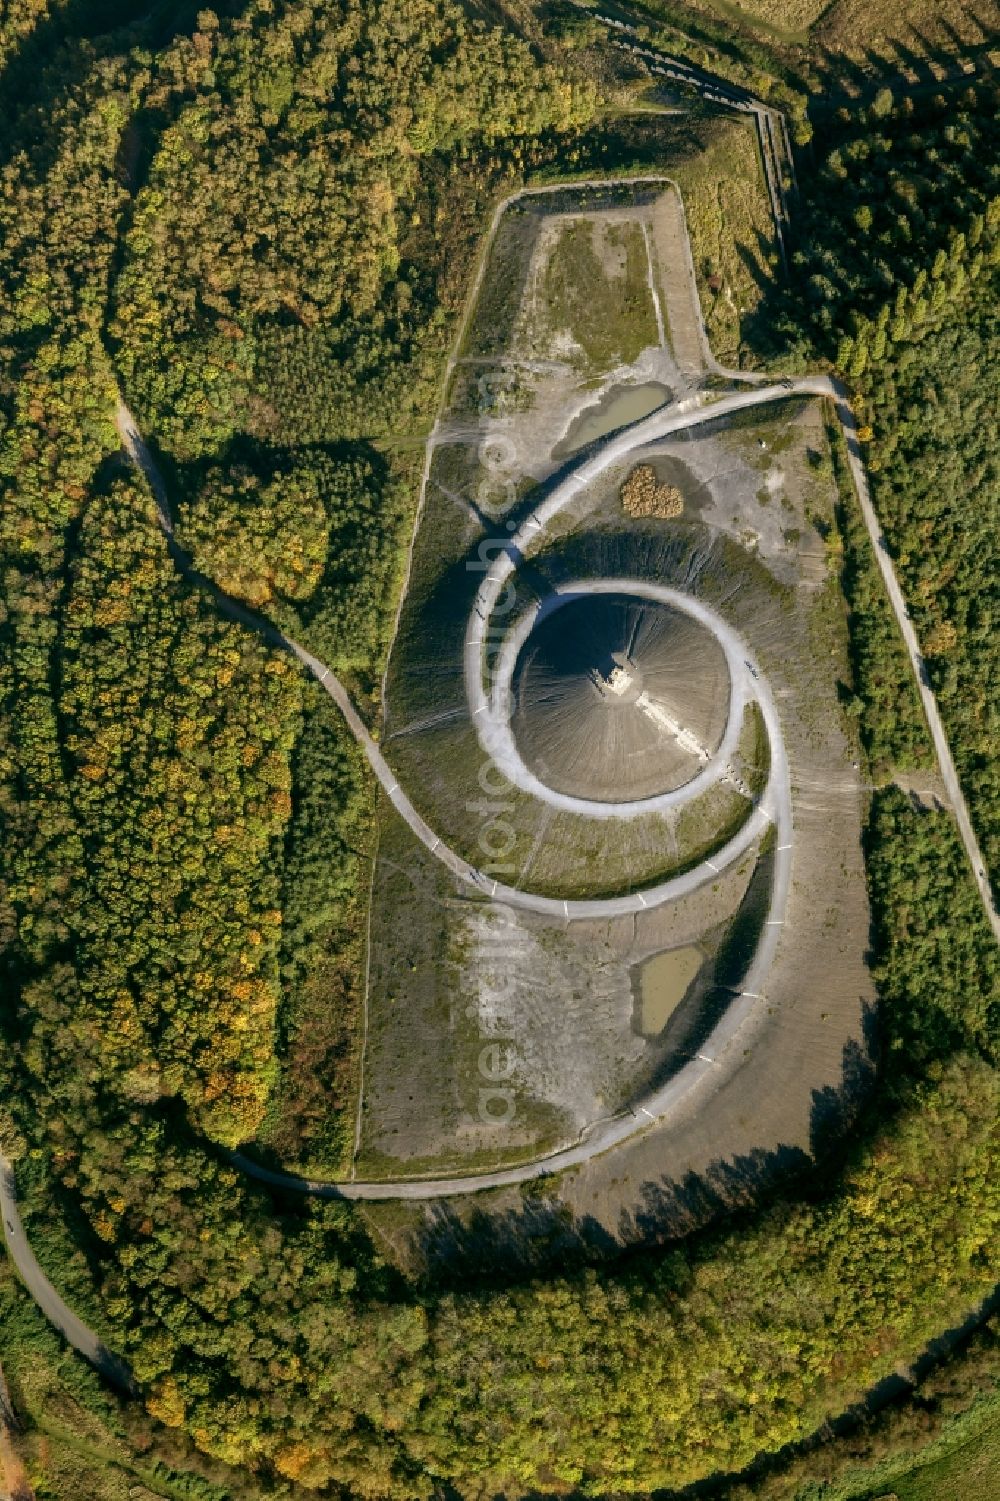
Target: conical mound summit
[618,697]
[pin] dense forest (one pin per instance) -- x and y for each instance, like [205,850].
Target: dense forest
[898,257]
[259,232]
[104,234]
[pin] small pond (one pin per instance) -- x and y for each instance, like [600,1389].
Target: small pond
[663,982]
[616,408]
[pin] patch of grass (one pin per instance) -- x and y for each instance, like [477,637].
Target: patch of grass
[490,328]
[582,860]
[716,163]
[548,1122]
[732,232]
[753,751]
[970,1472]
[594,290]
[552,852]
[710,822]
[787,21]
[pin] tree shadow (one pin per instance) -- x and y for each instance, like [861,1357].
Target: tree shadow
[483,1246]
[472,1243]
[68,29]
[933,66]
[836,1109]
[756,263]
[839,75]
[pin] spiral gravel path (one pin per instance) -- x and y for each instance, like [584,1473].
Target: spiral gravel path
[746,684]
[652,1112]
[488,707]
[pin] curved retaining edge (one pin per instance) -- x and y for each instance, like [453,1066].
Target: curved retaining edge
[497,739]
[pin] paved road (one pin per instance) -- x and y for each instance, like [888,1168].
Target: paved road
[73,1329]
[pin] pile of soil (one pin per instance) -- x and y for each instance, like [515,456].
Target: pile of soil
[643,495]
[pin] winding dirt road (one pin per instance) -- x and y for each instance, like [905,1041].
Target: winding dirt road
[610,1133]
[777,806]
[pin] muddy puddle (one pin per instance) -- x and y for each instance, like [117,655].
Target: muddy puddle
[618,407]
[662,983]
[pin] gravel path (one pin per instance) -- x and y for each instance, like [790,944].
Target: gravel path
[949,775]
[775,806]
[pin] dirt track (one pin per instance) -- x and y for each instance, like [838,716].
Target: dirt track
[667,421]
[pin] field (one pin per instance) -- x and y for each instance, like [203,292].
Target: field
[590,255]
[968,1472]
[782,17]
[715,161]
